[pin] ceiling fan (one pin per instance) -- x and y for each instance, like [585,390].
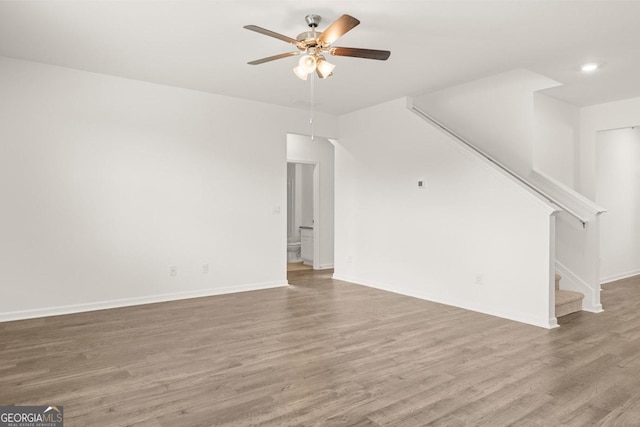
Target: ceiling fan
[315,45]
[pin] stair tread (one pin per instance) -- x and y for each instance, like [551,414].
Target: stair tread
[566,297]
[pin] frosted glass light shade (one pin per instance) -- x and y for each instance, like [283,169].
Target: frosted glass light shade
[307,63]
[300,73]
[325,68]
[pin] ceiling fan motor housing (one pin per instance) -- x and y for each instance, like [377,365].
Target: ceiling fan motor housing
[309,39]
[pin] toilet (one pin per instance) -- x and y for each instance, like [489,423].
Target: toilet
[293,252]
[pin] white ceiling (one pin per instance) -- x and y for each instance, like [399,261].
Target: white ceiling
[201,45]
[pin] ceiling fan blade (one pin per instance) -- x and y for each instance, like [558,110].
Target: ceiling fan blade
[339,28]
[271,34]
[381,55]
[273,58]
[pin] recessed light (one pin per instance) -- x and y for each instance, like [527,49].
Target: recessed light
[587,68]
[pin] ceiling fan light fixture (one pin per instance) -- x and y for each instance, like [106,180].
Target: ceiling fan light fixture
[307,63]
[325,68]
[300,73]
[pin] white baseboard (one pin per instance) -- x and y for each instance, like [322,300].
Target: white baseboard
[518,317]
[127,302]
[325,267]
[620,276]
[595,309]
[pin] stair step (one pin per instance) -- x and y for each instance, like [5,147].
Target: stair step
[568,302]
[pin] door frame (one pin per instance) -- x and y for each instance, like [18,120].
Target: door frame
[317,223]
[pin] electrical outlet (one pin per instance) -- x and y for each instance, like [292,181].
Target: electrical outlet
[205,268]
[479,279]
[173,270]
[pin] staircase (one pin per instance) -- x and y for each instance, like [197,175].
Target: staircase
[567,302]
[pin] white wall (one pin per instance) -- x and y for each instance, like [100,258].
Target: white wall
[618,188]
[432,243]
[292,206]
[495,114]
[107,182]
[611,115]
[535,136]
[319,151]
[302,214]
[305,185]
[555,159]
[593,119]
[555,138]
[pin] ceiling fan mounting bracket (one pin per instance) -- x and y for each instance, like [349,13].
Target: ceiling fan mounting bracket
[313,20]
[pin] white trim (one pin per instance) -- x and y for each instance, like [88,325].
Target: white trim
[551,288]
[584,203]
[317,223]
[325,267]
[518,317]
[620,276]
[127,302]
[572,282]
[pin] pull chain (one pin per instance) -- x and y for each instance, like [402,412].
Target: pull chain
[313,78]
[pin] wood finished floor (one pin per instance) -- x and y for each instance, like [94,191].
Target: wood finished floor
[298,266]
[327,353]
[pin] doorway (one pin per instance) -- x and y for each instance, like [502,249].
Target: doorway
[618,190]
[310,213]
[301,204]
